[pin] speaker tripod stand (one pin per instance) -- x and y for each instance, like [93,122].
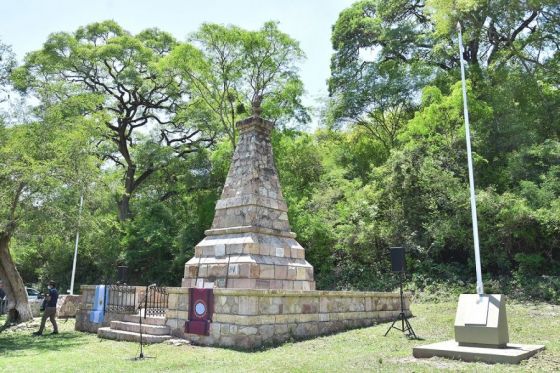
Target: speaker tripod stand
[406,328]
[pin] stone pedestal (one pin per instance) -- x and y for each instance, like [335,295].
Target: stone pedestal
[481,321]
[250,243]
[481,334]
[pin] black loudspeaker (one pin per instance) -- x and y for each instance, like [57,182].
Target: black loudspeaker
[397,259]
[122,274]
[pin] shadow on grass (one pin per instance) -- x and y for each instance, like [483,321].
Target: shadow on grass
[13,342]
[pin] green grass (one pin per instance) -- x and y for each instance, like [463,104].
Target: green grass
[357,350]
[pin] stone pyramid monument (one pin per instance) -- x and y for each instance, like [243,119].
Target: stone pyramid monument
[250,244]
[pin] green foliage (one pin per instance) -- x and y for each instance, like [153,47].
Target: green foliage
[388,168]
[126,78]
[7,63]
[231,68]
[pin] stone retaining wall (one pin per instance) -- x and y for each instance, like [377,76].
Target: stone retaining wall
[67,305]
[245,318]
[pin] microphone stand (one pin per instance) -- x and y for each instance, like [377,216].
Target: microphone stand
[406,328]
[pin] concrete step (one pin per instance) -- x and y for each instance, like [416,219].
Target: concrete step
[145,321]
[122,335]
[135,327]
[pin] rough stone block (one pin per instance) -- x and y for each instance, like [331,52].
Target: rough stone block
[217,270]
[172,323]
[324,317]
[191,270]
[220,250]
[262,284]
[208,251]
[183,315]
[264,250]
[202,271]
[248,305]
[255,271]
[234,249]
[266,332]
[183,302]
[248,330]
[267,271]
[234,270]
[280,328]
[244,283]
[215,330]
[292,272]
[287,285]
[280,272]
[172,301]
[245,270]
[309,308]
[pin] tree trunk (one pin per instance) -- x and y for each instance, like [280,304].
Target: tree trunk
[124,207]
[18,305]
[124,202]
[130,185]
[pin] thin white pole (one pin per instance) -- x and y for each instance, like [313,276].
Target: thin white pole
[76,245]
[479,285]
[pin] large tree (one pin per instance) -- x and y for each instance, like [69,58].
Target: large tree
[39,162]
[413,43]
[237,68]
[7,63]
[145,106]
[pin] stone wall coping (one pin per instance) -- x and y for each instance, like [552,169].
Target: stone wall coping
[248,229]
[177,290]
[293,293]
[92,287]
[279,292]
[306,293]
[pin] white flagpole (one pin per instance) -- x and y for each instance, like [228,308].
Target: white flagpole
[479,285]
[76,246]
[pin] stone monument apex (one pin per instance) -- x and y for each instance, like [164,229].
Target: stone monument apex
[250,243]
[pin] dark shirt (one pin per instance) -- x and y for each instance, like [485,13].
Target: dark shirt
[53,294]
[2,293]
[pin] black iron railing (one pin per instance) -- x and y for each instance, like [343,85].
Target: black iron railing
[121,299]
[155,301]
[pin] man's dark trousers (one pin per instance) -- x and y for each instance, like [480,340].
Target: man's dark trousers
[50,312]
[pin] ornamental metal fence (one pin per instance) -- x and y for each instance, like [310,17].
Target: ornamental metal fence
[156,301]
[121,299]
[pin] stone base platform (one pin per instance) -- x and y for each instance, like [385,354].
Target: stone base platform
[512,354]
[247,259]
[249,318]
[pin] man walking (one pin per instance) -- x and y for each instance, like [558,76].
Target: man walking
[50,310]
[2,292]
[2,301]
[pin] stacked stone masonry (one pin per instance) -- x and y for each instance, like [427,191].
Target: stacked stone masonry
[250,243]
[245,318]
[248,319]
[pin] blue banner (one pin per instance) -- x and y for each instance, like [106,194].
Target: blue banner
[97,314]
